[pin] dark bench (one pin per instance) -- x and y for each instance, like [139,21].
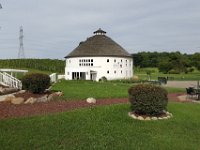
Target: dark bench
[162,80]
[191,92]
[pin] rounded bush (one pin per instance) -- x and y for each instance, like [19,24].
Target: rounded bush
[174,71]
[36,82]
[103,79]
[148,99]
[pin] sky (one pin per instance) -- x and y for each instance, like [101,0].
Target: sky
[53,28]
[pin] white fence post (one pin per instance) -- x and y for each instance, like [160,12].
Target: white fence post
[53,77]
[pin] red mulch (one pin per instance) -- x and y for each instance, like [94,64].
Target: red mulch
[8,110]
[174,96]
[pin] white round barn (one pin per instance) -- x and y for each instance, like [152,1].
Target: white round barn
[99,56]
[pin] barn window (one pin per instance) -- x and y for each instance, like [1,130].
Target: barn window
[107,60]
[108,72]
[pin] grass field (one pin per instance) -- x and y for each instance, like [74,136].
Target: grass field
[104,128]
[76,90]
[141,73]
[20,75]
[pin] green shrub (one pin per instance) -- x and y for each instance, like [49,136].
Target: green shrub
[172,71]
[36,82]
[191,69]
[148,99]
[103,79]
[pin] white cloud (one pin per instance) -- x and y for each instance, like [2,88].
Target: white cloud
[53,28]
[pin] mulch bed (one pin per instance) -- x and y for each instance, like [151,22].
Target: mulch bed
[8,110]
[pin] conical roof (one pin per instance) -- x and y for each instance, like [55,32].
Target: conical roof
[98,45]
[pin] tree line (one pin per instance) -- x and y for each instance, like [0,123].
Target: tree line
[173,62]
[51,65]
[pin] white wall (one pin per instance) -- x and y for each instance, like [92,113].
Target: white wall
[119,68]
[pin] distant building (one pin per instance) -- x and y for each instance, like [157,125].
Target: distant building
[99,56]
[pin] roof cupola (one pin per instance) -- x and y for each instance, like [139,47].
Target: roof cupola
[99,32]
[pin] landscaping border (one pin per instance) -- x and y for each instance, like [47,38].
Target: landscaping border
[8,110]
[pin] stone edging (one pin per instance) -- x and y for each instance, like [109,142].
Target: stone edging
[168,115]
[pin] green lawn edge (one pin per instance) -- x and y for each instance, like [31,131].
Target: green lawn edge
[104,127]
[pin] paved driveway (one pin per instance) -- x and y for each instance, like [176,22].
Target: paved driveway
[181,84]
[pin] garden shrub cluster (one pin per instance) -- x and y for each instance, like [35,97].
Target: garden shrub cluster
[147,99]
[36,82]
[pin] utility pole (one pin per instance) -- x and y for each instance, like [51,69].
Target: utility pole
[21,44]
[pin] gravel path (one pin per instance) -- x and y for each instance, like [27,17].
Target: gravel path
[8,110]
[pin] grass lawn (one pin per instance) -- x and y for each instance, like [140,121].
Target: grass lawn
[141,73]
[76,90]
[84,89]
[107,127]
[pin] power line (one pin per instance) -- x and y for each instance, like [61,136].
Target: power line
[21,44]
